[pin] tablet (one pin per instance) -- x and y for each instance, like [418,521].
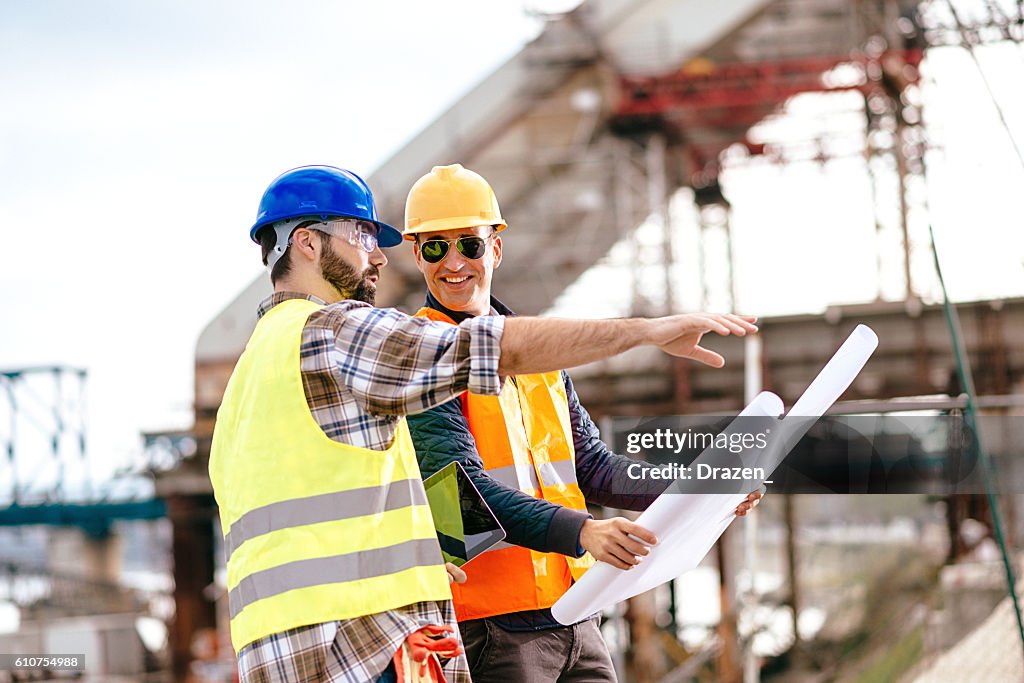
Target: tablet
[465,524]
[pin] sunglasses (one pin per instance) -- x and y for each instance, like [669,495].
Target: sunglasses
[434,250]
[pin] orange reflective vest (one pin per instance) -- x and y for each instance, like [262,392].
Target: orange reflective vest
[524,437]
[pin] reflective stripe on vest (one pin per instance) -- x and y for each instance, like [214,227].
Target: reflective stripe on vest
[315,530]
[524,437]
[522,477]
[327,507]
[325,570]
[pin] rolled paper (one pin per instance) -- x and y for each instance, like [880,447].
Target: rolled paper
[688,523]
[837,375]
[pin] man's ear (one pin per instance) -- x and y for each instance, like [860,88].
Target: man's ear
[497,251]
[416,253]
[305,243]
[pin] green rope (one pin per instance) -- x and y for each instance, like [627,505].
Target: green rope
[963,369]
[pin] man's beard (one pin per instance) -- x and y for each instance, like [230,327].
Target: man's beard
[343,277]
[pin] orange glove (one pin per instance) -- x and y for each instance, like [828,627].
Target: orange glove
[423,647]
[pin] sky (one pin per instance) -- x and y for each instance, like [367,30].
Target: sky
[136,139]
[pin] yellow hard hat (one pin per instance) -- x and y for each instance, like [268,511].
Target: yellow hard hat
[450,198]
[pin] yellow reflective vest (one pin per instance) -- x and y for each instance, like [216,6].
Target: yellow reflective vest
[314,530]
[524,437]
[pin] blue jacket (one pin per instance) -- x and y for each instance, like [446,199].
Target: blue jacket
[442,435]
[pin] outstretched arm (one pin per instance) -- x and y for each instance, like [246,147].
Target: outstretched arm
[533,345]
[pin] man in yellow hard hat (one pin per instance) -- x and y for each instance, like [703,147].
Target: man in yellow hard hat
[533,453]
[334,569]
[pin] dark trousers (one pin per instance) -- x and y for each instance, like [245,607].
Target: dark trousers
[570,653]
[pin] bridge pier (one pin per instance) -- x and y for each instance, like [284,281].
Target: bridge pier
[74,552]
[192,548]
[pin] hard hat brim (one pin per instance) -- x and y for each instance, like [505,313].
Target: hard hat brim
[446,224]
[388,236]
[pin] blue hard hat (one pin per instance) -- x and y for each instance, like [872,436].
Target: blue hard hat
[321,191]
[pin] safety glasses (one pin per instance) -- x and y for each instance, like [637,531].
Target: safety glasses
[434,250]
[362,234]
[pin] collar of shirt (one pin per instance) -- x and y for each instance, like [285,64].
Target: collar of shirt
[277,297]
[497,308]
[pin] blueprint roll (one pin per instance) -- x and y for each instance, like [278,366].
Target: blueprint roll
[688,523]
[834,379]
[837,375]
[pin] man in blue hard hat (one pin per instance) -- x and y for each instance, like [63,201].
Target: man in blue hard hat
[334,569]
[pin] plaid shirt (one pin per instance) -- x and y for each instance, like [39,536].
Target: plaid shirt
[363,368]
